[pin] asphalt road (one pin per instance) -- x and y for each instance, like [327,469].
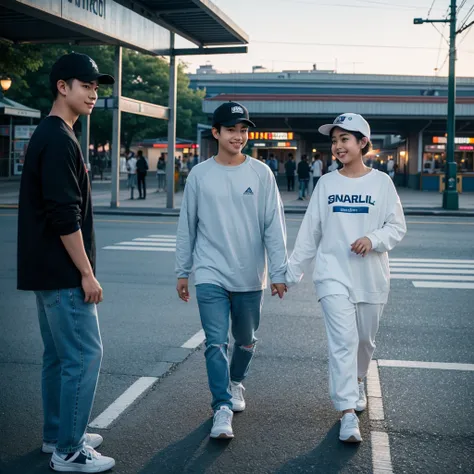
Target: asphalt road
[290,425]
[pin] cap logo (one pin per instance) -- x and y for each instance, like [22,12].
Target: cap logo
[94,64]
[237,109]
[340,119]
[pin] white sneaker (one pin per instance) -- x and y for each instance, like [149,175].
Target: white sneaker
[362,402]
[238,402]
[222,426]
[349,432]
[85,460]
[92,439]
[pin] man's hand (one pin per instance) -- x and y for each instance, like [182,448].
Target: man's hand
[362,246]
[92,289]
[279,288]
[182,289]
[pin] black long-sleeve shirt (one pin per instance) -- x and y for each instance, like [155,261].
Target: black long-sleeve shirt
[55,200]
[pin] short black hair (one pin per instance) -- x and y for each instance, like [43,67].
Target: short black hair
[140,153]
[359,136]
[54,87]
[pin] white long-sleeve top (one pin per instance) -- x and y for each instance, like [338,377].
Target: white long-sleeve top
[341,211]
[231,218]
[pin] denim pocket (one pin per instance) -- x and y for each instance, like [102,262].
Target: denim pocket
[51,298]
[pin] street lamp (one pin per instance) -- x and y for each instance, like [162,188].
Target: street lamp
[6,83]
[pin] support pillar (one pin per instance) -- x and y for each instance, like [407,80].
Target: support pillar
[115,158]
[172,104]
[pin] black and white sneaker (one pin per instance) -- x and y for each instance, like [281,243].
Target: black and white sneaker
[92,439]
[85,460]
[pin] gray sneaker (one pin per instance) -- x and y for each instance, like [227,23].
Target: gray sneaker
[349,432]
[238,401]
[222,425]
[362,402]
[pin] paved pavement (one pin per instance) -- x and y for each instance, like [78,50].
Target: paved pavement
[424,362]
[414,202]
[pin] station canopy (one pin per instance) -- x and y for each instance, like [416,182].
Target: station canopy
[141,25]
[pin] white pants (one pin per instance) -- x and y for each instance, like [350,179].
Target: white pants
[351,330]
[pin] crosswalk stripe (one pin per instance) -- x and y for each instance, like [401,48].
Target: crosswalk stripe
[455,271]
[149,244]
[444,285]
[148,239]
[414,276]
[156,236]
[430,260]
[145,249]
[428,265]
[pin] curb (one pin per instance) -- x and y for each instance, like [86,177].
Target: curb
[104,211]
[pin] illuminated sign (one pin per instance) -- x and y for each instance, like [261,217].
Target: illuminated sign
[465,148]
[271,135]
[458,140]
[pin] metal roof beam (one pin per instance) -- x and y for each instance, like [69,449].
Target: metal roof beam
[199,51]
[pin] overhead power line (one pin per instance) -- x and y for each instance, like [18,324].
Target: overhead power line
[346,45]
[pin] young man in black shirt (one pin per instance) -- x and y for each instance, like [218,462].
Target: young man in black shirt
[56,260]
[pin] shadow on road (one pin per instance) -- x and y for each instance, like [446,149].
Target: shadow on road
[330,456]
[195,453]
[34,462]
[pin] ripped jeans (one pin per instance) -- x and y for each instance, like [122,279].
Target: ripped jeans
[215,304]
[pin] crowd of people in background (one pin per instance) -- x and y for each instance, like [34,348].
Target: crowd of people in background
[308,171]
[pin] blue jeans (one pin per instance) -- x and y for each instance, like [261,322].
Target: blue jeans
[215,304]
[71,363]
[303,187]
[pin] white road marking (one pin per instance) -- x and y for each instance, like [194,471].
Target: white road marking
[162,236]
[444,285]
[455,271]
[430,260]
[144,249]
[149,244]
[194,341]
[148,239]
[413,364]
[414,276]
[381,456]
[113,411]
[374,393]
[429,265]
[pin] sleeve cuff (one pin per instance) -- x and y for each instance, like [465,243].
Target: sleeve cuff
[375,241]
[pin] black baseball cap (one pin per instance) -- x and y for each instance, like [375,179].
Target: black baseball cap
[78,66]
[231,113]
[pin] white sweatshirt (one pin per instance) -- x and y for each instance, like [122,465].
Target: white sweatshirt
[231,218]
[341,211]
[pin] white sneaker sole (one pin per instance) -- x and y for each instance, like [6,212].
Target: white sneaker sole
[351,439]
[237,408]
[222,435]
[81,468]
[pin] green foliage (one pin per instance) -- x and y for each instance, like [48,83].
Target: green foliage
[144,78]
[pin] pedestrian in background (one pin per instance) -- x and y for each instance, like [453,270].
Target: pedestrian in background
[231,218]
[316,170]
[132,173]
[290,168]
[303,171]
[161,173]
[142,168]
[354,218]
[56,260]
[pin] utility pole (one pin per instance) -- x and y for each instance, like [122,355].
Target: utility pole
[450,194]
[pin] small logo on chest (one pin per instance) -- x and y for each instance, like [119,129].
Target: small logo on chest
[248,192]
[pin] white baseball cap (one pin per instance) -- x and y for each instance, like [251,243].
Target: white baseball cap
[351,122]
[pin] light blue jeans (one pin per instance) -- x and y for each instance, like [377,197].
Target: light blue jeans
[71,363]
[215,304]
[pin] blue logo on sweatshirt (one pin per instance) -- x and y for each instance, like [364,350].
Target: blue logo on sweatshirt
[351,199]
[248,192]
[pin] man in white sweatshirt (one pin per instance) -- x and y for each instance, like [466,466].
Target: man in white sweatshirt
[231,218]
[354,218]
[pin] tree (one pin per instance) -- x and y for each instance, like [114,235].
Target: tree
[17,60]
[144,77]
